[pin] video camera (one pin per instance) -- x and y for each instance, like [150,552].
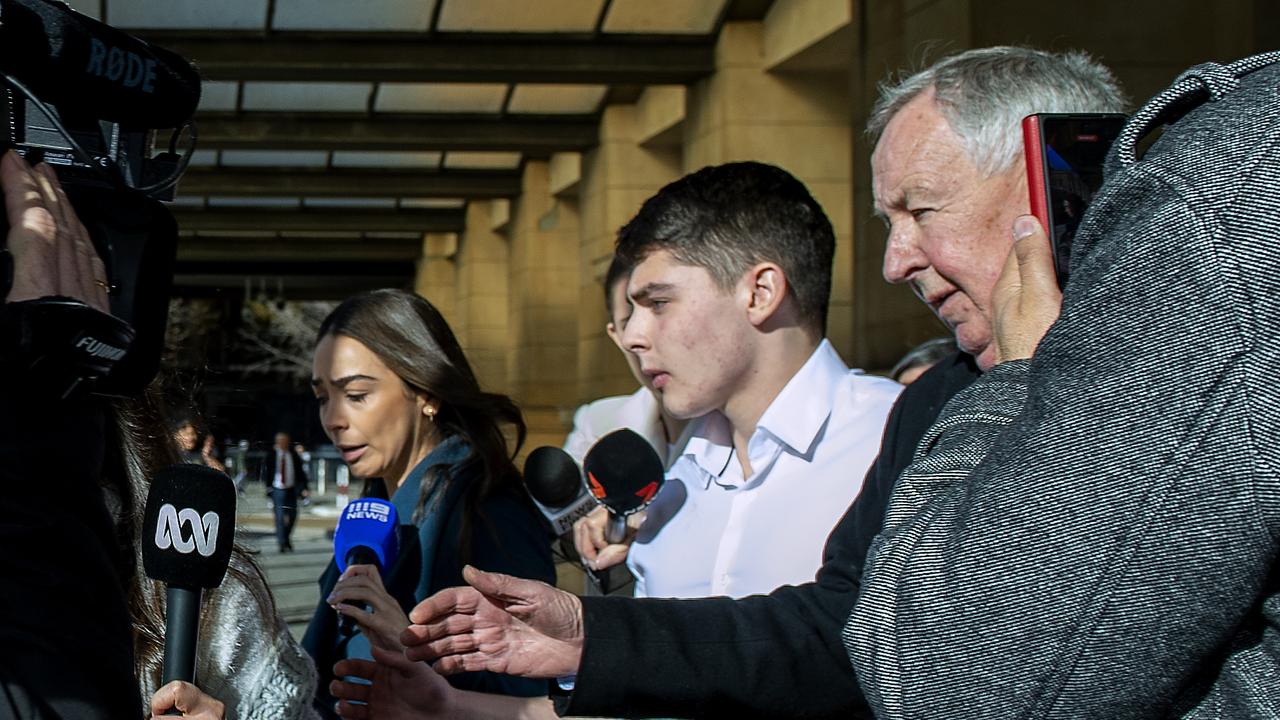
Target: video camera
[88,99]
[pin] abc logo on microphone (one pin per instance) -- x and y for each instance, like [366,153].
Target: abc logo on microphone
[188,526]
[203,530]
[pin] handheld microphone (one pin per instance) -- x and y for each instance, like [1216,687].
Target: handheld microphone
[366,535]
[623,473]
[88,68]
[554,481]
[187,535]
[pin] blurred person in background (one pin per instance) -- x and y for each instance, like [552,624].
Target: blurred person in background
[283,473]
[194,449]
[922,357]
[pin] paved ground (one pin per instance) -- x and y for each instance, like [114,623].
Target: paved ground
[292,576]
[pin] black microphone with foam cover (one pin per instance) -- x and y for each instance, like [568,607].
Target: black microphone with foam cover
[554,481]
[623,473]
[187,534]
[90,69]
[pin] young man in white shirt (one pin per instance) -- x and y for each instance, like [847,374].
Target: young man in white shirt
[640,411]
[730,278]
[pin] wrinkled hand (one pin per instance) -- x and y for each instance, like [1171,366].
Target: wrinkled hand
[1026,299]
[186,699]
[500,624]
[52,253]
[596,552]
[402,689]
[384,621]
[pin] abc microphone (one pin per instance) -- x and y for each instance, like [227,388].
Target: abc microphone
[623,473]
[186,544]
[554,481]
[366,535]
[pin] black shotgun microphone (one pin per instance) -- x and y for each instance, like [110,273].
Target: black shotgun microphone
[90,69]
[623,473]
[554,481]
[187,533]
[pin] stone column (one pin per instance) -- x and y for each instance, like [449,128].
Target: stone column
[437,278]
[638,154]
[542,364]
[753,107]
[482,326]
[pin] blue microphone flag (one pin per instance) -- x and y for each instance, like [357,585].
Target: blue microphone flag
[370,523]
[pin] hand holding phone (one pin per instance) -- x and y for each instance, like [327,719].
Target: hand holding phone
[1065,155]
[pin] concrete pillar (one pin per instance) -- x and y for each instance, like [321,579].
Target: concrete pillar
[638,154]
[437,278]
[542,306]
[482,299]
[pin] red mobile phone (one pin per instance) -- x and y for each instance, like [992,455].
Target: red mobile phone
[1065,154]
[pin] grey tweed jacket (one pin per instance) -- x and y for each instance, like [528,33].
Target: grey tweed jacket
[1093,533]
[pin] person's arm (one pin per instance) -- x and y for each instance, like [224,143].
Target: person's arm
[206,451]
[508,539]
[582,436]
[792,644]
[360,586]
[300,474]
[778,655]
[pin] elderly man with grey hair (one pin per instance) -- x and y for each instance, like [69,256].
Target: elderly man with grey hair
[948,180]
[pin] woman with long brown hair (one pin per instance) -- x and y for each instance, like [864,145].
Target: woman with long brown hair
[401,403]
[247,663]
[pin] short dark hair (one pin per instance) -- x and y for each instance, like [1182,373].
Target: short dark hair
[619,270]
[726,218]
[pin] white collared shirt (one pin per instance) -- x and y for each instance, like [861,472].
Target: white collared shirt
[638,411]
[283,481]
[711,531]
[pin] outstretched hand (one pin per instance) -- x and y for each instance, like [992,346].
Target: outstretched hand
[500,624]
[1026,299]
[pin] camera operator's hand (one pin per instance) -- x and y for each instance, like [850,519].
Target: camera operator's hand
[52,253]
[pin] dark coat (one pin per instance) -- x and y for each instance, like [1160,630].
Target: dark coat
[267,470]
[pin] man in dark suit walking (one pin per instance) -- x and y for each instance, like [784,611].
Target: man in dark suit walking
[286,480]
